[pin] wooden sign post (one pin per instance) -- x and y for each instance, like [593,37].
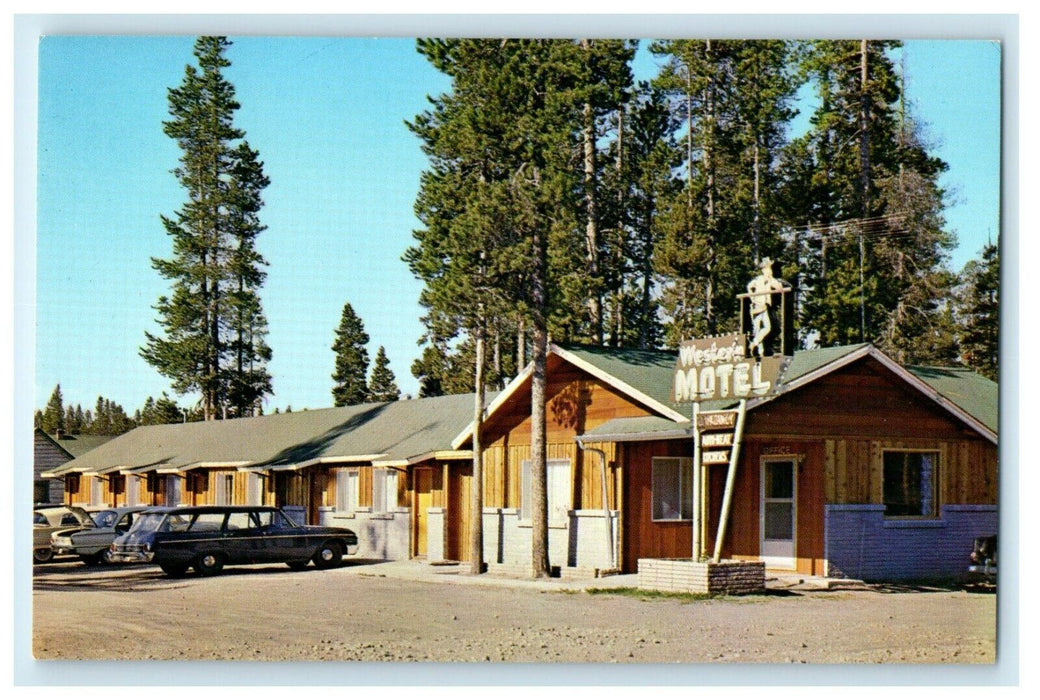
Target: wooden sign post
[744,365]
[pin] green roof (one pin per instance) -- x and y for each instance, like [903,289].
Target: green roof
[651,371]
[78,445]
[396,430]
[971,392]
[404,430]
[647,371]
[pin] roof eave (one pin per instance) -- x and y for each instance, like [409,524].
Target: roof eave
[934,394]
[510,389]
[616,383]
[635,437]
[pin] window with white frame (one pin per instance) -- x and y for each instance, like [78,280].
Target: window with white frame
[347,490]
[557,490]
[173,490]
[254,489]
[909,483]
[672,488]
[133,490]
[384,490]
[97,494]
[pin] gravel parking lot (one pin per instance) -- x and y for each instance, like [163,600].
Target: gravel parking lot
[405,611]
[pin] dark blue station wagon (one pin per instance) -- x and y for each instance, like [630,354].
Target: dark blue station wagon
[206,538]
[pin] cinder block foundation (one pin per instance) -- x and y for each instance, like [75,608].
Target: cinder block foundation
[688,576]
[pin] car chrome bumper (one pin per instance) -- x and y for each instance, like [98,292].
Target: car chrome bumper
[352,549]
[131,557]
[982,569]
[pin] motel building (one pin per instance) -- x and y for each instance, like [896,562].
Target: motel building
[835,462]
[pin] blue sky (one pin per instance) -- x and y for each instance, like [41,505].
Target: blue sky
[327,116]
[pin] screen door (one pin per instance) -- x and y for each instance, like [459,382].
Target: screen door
[778,523]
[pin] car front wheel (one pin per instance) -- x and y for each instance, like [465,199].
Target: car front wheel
[42,556]
[209,564]
[328,555]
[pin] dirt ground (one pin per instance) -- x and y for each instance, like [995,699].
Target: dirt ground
[360,613]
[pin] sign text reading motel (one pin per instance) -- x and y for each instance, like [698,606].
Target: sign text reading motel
[719,368]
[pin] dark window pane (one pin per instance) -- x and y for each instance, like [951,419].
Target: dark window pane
[908,487]
[666,492]
[779,521]
[779,480]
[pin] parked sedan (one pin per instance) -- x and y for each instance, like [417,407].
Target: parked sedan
[91,544]
[208,537]
[50,519]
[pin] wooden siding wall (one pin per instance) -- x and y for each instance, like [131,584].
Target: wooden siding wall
[576,404]
[641,537]
[502,473]
[967,470]
[864,400]
[205,484]
[325,483]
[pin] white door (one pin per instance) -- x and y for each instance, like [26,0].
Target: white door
[779,512]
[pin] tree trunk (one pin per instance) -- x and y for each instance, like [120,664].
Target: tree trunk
[709,170]
[595,302]
[521,346]
[540,341]
[476,529]
[864,175]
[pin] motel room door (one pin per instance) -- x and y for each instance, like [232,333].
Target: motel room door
[423,502]
[779,512]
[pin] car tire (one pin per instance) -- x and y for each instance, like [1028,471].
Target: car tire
[90,559]
[106,557]
[209,564]
[297,565]
[42,556]
[174,569]
[329,554]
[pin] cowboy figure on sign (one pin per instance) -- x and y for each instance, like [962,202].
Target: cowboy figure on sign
[760,295]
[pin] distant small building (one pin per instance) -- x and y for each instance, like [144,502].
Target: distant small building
[50,452]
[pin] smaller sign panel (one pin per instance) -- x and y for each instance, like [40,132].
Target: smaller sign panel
[717,440]
[715,457]
[721,420]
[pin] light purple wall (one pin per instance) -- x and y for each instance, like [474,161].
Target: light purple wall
[860,543]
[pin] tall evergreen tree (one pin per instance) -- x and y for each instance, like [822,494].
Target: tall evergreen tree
[500,205]
[160,411]
[645,156]
[382,385]
[979,313]
[53,417]
[865,193]
[351,361]
[212,322]
[731,102]
[248,380]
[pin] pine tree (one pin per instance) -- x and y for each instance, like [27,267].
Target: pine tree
[53,417]
[502,210]
[160,411]
[865,192]
[979,312]
[382,385]
[351,361]
[642,178]
[212,322]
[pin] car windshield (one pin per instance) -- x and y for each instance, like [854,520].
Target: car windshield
[148,521]
[104,518]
